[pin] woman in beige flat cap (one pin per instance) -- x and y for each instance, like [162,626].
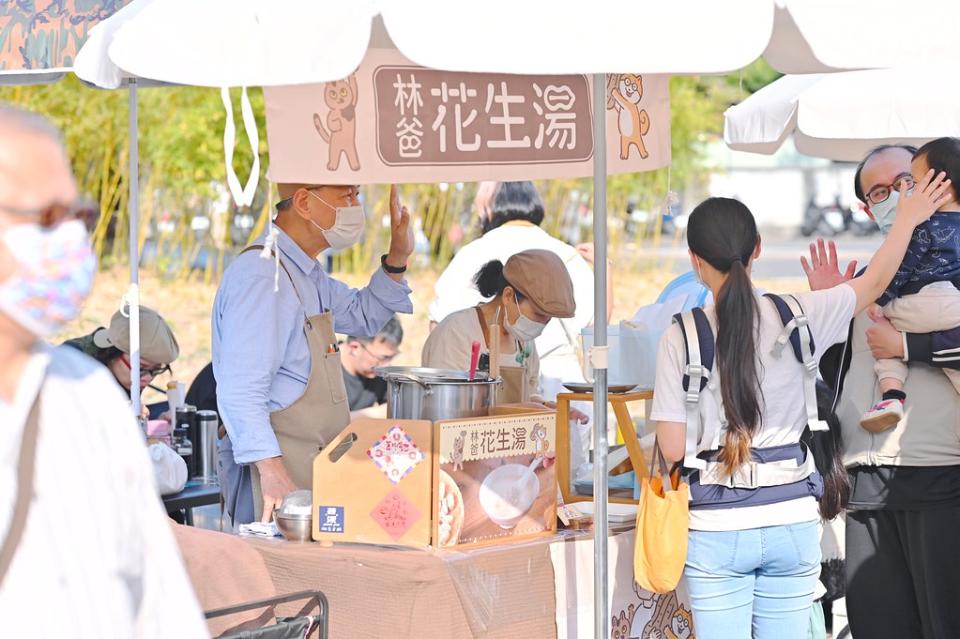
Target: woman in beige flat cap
[524,294]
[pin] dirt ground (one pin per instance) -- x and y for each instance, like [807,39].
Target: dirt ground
[186,306]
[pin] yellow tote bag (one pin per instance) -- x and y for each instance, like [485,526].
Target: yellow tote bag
[663,522]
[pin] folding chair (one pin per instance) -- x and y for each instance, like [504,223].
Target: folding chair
[298,627]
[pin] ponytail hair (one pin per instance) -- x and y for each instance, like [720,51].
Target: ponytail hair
[489,280]
[722,232]
[825,446]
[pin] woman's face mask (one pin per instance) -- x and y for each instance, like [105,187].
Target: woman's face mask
[524,329]
[52,275]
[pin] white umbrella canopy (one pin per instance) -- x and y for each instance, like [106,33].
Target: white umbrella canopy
[820,36]
[250,43]
[841,116]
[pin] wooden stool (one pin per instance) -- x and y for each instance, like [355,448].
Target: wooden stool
[624,426]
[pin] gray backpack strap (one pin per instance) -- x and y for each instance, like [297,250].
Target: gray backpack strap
[699,344]
[796,330]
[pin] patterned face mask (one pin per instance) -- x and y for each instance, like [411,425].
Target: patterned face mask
[53,275]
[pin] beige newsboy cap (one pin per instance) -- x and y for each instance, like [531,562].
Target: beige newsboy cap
[157,343]
[542,277]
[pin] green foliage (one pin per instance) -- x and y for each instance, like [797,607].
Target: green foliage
[182,170]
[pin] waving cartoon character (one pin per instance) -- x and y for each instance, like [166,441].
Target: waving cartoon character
[538,435]
[624,92]
[457,455]
[340,132]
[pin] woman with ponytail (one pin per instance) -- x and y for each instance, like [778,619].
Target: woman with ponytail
[753,551]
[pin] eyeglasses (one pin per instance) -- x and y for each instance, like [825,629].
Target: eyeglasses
[381,359]
[353,197]
[53,214]
[881,192]
[152,371]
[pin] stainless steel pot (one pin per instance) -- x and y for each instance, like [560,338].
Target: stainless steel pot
[434,393]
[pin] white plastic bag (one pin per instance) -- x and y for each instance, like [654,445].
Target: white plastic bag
[632,355]
[169,469]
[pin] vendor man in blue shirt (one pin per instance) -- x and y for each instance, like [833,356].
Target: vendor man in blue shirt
[275,356]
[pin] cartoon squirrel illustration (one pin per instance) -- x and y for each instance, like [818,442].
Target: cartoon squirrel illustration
[340,134]
[623,94]
[538,435]
[457,455]
[681,626]
[670,619]
[620,628]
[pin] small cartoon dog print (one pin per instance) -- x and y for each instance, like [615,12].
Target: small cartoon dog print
[538,435]
[340,132]
[624,92]
[457,455]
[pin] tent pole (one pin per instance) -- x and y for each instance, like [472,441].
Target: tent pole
[600,526]
[133,217]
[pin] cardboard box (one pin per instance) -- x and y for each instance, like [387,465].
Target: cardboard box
[381,481]
[495,478]
[372,484]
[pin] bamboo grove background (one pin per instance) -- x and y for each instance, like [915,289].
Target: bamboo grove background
[189,227]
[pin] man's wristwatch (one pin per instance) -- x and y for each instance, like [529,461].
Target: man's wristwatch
[391,269]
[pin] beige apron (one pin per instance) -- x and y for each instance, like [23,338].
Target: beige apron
[514,388]
[304,427]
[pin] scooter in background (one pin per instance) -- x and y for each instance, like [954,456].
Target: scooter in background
[861,223]
[823,221]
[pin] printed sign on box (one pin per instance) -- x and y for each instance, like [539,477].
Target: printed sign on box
[331,519]
[495,478]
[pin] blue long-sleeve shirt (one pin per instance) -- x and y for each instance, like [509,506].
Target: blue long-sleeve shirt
[933,255]
[260,355]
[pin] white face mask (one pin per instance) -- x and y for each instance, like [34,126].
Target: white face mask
[524,329]
[346,229]
[53,275]
[886,212]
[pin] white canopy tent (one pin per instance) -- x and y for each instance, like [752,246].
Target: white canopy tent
[822,36]
[841,116]
[249,43]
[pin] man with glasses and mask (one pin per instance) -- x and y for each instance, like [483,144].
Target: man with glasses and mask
[85,547]
[276,358]
[903,571]
[367,393]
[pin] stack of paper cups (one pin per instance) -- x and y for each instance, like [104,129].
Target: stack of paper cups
[176,395]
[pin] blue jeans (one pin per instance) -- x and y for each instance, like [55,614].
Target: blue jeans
[761,578]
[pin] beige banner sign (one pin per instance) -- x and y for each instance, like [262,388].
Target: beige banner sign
[392,121]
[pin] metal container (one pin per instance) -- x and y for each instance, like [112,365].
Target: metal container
[206,448]
[294,517]
[294,528]
[434,393]
[186,437]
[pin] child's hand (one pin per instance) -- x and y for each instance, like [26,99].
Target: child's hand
[929,194]
[875,312]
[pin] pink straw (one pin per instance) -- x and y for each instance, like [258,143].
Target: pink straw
[474,358]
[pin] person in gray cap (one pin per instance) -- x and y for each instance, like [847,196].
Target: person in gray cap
[111,347]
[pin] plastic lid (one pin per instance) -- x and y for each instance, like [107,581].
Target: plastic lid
[297,504]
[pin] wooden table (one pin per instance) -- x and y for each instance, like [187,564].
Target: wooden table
[542,588]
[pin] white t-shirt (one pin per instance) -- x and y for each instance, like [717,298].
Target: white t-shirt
[97,557]
[454,289]
[781,403]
